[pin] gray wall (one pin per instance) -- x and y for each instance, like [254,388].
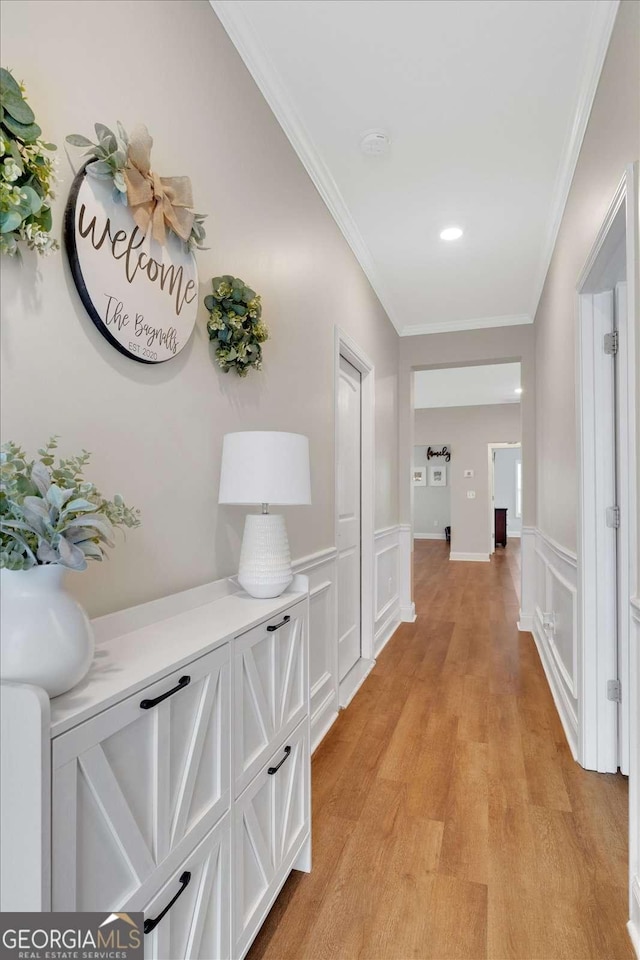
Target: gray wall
[611,141]
[431,505]
[470,430]
[156,432]
[505,486]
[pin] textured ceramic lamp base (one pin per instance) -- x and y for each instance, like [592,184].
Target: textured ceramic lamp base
[265,560]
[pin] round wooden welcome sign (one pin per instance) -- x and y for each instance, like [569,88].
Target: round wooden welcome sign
[141,295]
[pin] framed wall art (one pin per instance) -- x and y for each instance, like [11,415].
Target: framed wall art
[437,476]
[419,477]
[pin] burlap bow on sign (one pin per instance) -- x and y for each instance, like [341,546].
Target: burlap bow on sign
[162,201]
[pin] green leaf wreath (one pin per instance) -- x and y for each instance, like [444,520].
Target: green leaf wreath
[27,174]
[235,325]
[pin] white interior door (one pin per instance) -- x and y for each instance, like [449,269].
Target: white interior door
[349,469]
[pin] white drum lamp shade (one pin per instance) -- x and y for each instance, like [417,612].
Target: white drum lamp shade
[265,467]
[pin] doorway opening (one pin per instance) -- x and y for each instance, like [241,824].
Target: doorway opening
[505,493]
[457,412]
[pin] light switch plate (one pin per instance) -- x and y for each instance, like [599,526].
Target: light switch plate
[468,473]
[471,494]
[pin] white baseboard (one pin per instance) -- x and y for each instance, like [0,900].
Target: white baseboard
[525,623]
[511,534]
[429,536]
[566,713]
[470,557]
[322,722]
[354,680]
[408,613]
[385,633]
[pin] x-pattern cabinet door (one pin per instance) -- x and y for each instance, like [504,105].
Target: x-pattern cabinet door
[197,925]
[270,689]
[271,819]
[132,785]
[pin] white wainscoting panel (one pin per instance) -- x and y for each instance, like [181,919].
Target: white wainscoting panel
[555,625]
[386,586]
[323,643]
[392,581]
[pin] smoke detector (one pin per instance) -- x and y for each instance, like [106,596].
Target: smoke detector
[375,143]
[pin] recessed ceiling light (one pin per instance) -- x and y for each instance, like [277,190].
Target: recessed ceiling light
[518,390]
[451,233]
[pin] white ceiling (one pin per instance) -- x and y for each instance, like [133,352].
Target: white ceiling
[485,101]
[467,386]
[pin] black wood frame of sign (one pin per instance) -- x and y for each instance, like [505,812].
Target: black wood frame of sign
[76,272]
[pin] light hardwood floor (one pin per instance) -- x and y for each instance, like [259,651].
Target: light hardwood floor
[449,818]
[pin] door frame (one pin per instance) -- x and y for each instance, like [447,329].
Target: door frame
[346,347]
[491,464]
[599,746]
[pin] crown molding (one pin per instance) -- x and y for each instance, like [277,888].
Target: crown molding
[242,35]
[480,323]
[261,68]
[603,19]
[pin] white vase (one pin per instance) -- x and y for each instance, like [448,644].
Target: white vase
[46,638]
[265,560]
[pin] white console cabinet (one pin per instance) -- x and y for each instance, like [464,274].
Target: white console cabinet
[175,779]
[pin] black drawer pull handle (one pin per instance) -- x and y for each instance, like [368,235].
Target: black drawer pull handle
[276,626]
[150,925]
[182,682]
[272,770]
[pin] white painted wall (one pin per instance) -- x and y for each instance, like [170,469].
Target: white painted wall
[470,430]
[505,462]
[431,505]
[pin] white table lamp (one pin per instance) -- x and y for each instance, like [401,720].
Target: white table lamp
[265,467]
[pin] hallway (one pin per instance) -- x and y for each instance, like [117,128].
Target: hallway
[449,818]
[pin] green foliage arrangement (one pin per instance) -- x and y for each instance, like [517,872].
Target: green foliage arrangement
[27,174]
[235,325]
[51,514]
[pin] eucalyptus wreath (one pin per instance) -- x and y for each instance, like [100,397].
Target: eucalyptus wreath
[27,174]
[235,324]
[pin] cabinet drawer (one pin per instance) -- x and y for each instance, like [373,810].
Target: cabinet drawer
[271,821]
[137,783]
[197,924]
[270,687]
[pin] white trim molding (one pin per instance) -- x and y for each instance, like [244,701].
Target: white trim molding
[407,606]
[243,37]
[429,536]
[603,19]
[634,780]
[470,557]
[607,297]
[527,578]
[474,323]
